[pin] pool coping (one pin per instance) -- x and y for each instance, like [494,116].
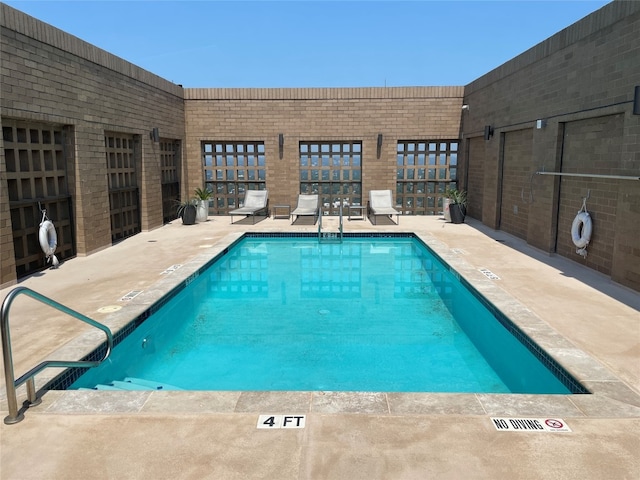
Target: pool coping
[610,397]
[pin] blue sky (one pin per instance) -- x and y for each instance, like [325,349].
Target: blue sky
[313,44]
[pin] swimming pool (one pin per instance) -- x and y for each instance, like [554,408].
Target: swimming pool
[370,314]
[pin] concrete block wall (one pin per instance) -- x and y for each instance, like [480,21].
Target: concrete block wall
[7,254]
[473,180]
[398,113]
[602,138]
[580,82]
[49,76]
[516,188]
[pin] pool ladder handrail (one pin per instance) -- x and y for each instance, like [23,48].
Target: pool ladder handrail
[15,415]
[340,227]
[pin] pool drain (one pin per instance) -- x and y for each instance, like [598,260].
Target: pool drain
[324,312]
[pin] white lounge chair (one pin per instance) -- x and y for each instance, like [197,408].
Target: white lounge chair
[255,201]
[381,203]
[307,205]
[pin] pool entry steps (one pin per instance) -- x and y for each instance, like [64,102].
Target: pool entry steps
[131,383]
[15,415]
[330,237]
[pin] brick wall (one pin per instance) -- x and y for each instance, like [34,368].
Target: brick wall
[51,77]
[581,83]
[475,177]
[7,255]
[516,187]
[319,114]
[589,146]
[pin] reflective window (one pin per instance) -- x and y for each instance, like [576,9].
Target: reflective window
[235,171]
[333,171]
[422,198]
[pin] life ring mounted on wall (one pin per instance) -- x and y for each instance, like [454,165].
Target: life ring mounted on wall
[581,230]
[48,239]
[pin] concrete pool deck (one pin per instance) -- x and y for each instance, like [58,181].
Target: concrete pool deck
[588,323]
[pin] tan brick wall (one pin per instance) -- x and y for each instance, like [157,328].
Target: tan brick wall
[543,191]
[589,146]
[516,188]
[475,177]
[52,77]
[7,255]
[581,81]
[625,265]
[320,115]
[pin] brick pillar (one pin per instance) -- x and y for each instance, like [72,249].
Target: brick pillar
[543,191]
[7,254]
[492,181]
[625,267]
[149,173]
[90,189]
[378,173]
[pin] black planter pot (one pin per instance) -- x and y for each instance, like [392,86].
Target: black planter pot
[457,212]
[189,215]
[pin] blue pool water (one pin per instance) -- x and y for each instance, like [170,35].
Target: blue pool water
[370,314]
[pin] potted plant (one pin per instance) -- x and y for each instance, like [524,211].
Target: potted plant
[187,211]
[203,195]
[446,202]
[458,205]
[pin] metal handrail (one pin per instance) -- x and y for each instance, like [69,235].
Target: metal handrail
[590,175]
[340,227]
[11,383]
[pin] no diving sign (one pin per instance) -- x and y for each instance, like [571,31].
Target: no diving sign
[530,424]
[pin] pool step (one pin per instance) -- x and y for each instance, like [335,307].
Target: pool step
[151,384]
[106,387]
[131,383]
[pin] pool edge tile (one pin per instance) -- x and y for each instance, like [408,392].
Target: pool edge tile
[273,402]
[533,405]
[368,403]
[102,402]
[434,404]
[180,401]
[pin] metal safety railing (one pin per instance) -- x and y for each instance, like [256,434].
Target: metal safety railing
[11,383]
[330,236]
[590,175]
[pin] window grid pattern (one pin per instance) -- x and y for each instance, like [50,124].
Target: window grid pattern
[327,276]
[123,186]
[36,179]
[425,169]
[230,169]
[332,170]
[170,178]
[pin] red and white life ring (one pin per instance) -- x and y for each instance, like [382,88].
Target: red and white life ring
[581,229]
